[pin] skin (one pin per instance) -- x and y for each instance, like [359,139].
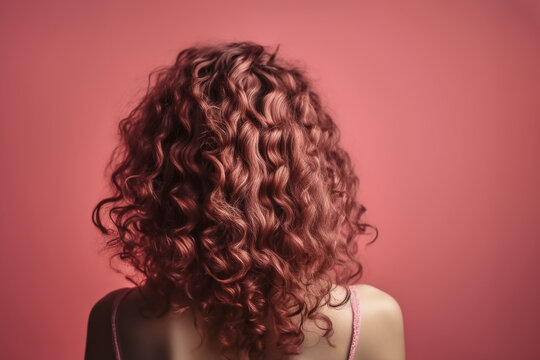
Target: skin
[381,330]
[173,336]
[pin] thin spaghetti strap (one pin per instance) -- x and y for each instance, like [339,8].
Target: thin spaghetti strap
[356,322]
[117,299]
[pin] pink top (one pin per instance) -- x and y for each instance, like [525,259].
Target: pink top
[355,305]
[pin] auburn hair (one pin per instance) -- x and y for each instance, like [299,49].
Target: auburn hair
[233,197]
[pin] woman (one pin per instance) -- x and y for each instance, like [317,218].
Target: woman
[234,200]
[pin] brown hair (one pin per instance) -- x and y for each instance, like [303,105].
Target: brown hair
[233,196]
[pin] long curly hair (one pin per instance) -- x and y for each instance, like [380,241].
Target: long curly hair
[233,197]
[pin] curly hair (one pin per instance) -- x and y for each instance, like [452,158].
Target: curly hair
[233,197]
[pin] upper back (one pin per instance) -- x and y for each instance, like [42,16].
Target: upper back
[174,336]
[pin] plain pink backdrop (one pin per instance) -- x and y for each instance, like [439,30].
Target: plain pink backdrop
[439,105]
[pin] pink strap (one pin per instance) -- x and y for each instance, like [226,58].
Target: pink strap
[354,304]
[118,298]
[356,322]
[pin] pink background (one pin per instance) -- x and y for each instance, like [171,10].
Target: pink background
[439,105]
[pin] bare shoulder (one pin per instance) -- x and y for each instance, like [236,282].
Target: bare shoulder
[101,311]
[381,329]
[377,302]
[105,302]
[99,330]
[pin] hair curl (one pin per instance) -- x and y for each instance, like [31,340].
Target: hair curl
[233,197]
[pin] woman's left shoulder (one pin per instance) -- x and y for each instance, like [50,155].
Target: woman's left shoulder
[102,308]
[99,329]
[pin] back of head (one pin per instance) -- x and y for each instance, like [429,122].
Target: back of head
[233,196]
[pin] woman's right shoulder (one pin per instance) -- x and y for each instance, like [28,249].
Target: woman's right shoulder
[381,328]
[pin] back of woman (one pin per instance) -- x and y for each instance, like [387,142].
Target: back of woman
[234,200]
